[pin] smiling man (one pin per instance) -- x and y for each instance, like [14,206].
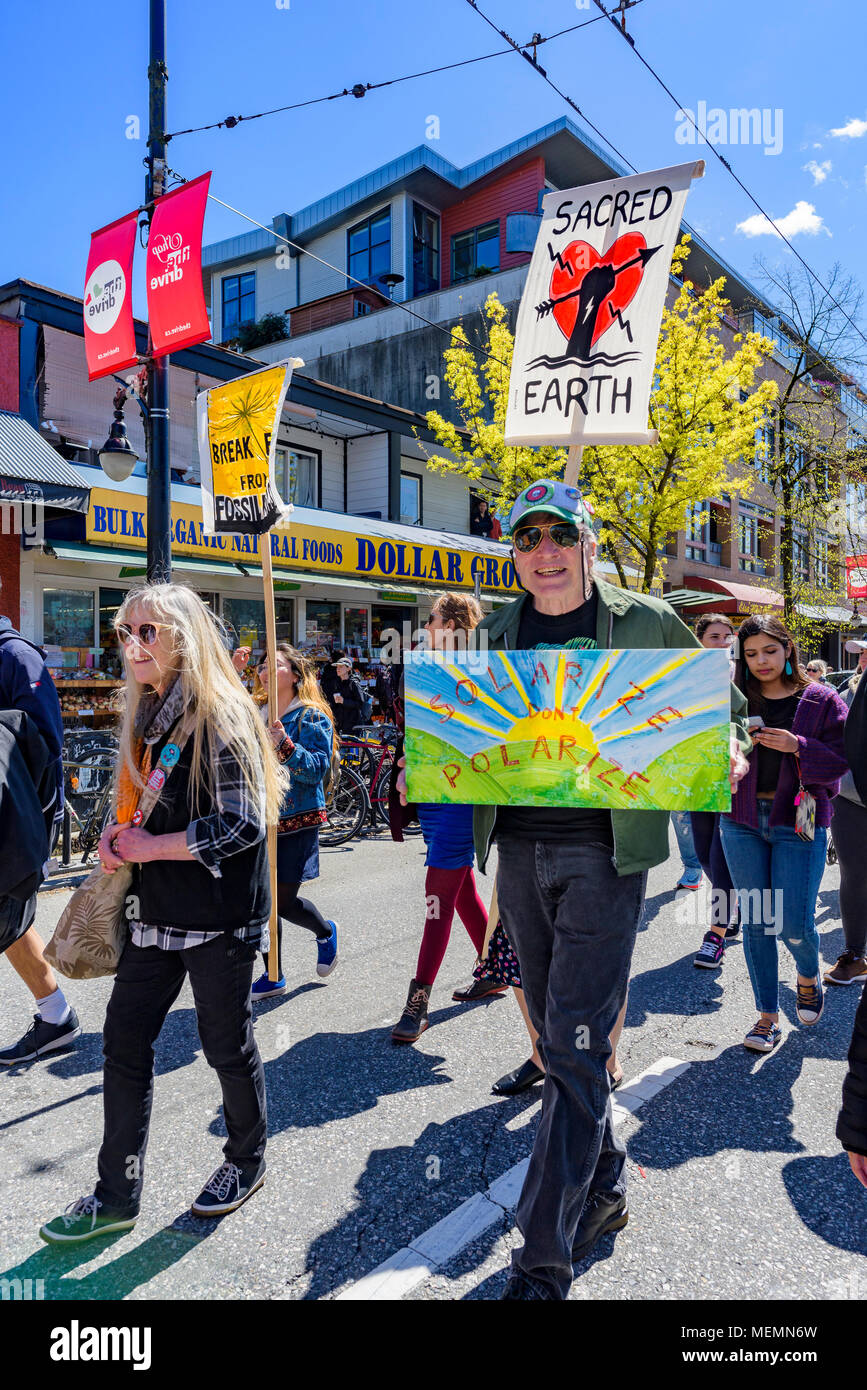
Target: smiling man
[571,886]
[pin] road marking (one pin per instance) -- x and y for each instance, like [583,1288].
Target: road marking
[437,1246]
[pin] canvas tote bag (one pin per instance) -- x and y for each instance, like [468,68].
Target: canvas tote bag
[89,937]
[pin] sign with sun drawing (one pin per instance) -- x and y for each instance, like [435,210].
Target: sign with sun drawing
[632,730]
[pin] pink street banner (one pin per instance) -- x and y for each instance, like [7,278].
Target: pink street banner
[109,332]
[176,298]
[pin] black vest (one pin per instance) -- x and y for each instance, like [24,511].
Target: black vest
[183,893]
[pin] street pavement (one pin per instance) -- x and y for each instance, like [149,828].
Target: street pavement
[738,1187]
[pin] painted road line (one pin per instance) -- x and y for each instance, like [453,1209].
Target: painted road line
[437,1246]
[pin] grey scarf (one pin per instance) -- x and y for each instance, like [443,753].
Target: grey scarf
[156,714]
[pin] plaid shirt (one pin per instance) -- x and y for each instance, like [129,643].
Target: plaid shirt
[237,821]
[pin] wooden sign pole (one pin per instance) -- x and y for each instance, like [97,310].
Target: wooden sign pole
[271,653]
[573,464]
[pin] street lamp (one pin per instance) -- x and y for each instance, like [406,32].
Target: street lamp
[117,456]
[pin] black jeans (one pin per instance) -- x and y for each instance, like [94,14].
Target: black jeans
[148,982]
[572,922]
[849,832]
[711,856]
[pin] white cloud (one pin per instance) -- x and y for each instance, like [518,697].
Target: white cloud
[852,130]
[819,171]
[802,218]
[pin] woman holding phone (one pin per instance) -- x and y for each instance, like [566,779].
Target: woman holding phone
[775,836]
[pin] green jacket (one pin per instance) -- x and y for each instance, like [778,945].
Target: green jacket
[625,619]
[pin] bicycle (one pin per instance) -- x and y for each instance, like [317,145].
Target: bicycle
[372,757]
[347,807]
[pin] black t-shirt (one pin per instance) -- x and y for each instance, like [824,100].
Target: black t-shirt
[573,630]
[777,714]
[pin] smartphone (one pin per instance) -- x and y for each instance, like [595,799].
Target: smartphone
[755,721]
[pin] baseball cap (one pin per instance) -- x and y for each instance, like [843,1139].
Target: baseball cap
[549,495]
[853,645]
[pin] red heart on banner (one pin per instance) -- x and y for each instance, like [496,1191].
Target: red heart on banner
[580,258]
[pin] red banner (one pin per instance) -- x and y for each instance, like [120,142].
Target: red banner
[856,576]
[176,296]
[109,333]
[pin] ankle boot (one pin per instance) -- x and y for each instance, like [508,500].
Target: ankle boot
[414,1019]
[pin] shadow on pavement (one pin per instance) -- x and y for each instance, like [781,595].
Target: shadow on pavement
[124,1274]
[829,1200]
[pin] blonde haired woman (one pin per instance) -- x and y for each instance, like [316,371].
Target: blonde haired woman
[200,895]
[305,739]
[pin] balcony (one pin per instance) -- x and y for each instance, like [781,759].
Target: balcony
[334,308]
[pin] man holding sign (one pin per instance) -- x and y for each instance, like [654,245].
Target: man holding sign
[571,886]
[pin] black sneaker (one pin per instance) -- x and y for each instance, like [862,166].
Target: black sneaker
[520,1287]
[42,1037]
[711,952]
[227,1188]
[603,1212]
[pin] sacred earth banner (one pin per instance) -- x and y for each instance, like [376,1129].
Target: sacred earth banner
[639,730]
[176,297]
[237,427]
[109,332]
[588,325]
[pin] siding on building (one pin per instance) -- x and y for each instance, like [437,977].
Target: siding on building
[367,474]
[514,192]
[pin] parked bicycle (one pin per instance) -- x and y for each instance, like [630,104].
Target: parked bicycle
[89,759]
[370,752]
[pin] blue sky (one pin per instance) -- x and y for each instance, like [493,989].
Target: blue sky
[73,76]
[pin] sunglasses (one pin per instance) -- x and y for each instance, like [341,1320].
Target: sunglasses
[146,635]
[565,534]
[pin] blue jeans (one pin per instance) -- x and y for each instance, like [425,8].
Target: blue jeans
[572,922]
[777,875]
[691,875]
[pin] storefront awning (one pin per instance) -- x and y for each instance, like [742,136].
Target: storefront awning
[742,594]
[132,563]
[31,471]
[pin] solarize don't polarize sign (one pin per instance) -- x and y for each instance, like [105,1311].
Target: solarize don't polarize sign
[632,730]
[585,343]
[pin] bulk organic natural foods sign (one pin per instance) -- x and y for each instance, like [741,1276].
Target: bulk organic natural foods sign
[585,342]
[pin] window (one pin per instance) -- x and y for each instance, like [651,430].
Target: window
[702,538]
[245,618]
[239,302]
[355,625]
[110,658]
[856,508]
[476,252]
[800,555]
[369,248]
[755,539]
[299,477]
[410,499]
[322,629]
[67,618]
[823,568]
[425,250]
[766,445]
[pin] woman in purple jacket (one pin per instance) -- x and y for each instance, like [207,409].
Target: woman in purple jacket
[777,873]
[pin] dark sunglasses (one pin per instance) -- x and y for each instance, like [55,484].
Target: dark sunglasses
[147,633]
[563,533]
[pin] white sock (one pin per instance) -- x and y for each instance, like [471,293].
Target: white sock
[54,1008]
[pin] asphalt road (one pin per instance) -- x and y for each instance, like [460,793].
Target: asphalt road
[738,1186]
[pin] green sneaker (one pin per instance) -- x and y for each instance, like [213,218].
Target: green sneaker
[81,1221]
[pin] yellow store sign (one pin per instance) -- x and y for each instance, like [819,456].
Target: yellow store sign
[118,519]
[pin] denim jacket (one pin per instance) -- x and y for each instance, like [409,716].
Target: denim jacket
[311,731]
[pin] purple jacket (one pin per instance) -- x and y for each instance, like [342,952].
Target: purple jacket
[820,719]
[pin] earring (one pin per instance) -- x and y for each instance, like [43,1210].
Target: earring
[788,667]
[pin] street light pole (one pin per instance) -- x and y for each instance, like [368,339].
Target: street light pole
[159,513]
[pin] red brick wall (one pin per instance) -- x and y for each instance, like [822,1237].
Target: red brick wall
[10,545]
[514,192]
[8,364]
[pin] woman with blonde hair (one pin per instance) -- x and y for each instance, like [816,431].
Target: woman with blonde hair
[200,898]
[306,741]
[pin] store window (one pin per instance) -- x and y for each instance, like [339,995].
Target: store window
[410,499]
[321,629]
[245,619]
[390,619]
[369,248]
[299,477]
[355,639]
[67,617]
[111,655]
[476,252]
[239,303]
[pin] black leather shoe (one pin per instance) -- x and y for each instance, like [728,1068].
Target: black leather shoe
[414,1020]
[479,989]
[518,1286]
[520,1080]
[603,1212]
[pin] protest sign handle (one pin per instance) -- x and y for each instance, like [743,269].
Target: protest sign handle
[573,464]
[271,653]
[493,919]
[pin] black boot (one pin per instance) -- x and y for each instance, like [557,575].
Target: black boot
[414,1019]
